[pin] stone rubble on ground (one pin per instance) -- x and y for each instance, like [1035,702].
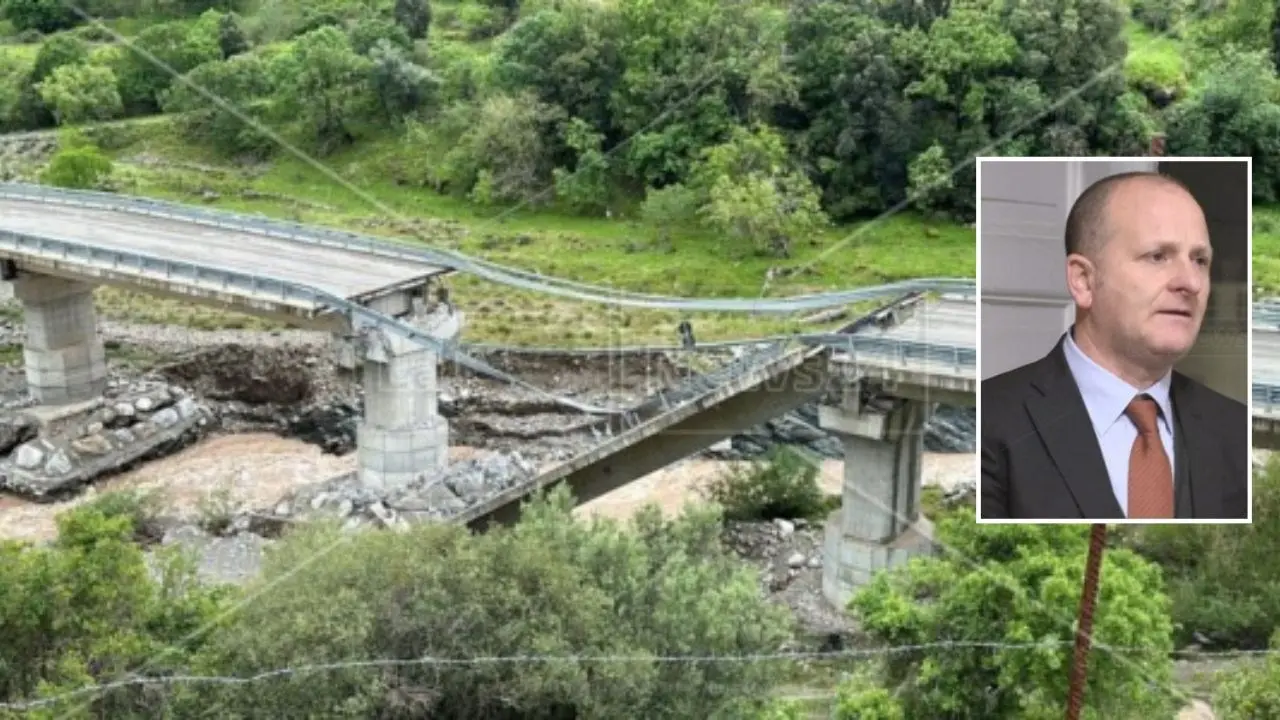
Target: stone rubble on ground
[788,556]
[431,498]
[125,426]
[294,386]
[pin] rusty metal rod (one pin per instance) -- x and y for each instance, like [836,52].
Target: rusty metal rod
[1084,627]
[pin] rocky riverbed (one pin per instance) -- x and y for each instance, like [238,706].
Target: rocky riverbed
[241,433]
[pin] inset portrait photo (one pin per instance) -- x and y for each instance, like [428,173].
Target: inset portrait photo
[1114,338]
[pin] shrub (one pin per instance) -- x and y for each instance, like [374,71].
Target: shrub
[1018,585]
[548,587]
[80,167]
[87,609]
[1222,578]
[1251,694]
[784,486]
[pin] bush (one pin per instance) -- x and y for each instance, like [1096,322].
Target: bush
[863,703]
[1252,694]
[1018,585]
[1162,16]
[548,587]
[1222,578]
[80,167]
[784,486]
[87,609]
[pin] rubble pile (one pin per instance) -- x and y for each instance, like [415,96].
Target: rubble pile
[126,426]
[432,497]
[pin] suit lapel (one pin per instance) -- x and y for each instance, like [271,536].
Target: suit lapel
[1063,425]
[1197,436]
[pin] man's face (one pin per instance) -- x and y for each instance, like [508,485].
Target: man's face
[1151,284]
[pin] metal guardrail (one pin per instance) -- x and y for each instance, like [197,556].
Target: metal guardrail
[362,319]
[903,353]
[1267,312]
[1266,395]
[523,279]
[266,287]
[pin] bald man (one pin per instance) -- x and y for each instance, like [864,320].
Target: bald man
[1103,428]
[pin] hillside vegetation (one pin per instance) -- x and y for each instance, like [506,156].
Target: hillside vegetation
[696,148]
[691,147]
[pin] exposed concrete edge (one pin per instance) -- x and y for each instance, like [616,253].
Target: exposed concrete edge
[296,312]
[783,367]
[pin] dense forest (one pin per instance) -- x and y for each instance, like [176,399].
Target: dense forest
[761,120]
[689,146]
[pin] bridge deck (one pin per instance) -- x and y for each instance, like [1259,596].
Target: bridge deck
[348,273]
[753,394]
[1266,371]
[946,321]
[935,346]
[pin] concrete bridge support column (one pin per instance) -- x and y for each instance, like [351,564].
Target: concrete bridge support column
[65,361]
[402,434]
[878,524]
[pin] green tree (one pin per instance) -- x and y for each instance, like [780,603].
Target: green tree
[145,69]
[241,83]
[1233,110]
[695,69]
[587,186]
[1162,16]
[46,16]
[86,609]
[231,39]
[30,111]
[500,152]
[752,193]
[1019,585]
[1221,577]
[400,86]
[323,86]
[55,52]
[81,93]
[1237,26]
[550,586]
[850,116]
[567,58]
[414,16]
[367,32]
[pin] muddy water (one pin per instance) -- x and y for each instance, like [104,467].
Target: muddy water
[256,470]
[251,469]
[673,486]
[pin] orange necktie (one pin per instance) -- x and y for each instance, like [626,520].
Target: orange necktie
[1150,474]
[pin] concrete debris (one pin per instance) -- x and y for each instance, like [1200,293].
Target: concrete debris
[15,430]
[788,554]
[432,497]
[131,424]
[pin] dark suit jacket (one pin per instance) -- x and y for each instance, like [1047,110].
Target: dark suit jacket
[1041,459]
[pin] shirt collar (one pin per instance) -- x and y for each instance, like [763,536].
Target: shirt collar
[1105,395]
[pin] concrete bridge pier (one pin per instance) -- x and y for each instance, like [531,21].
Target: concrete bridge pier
[64,356]
[402,433]
[879,524]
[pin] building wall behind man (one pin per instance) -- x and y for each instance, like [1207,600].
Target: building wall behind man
[1219,358]
[1025,303]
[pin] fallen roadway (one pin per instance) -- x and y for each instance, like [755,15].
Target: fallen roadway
[754,395]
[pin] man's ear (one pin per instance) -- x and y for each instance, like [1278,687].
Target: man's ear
[1082,279]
